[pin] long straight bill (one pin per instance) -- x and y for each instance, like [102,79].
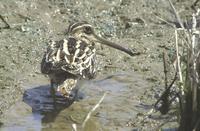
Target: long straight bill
[113,45]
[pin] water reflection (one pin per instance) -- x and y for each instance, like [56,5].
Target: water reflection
[41,102]
[120,105]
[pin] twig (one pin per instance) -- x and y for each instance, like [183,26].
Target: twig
[165,68]
[176,14]
[93,109]
[23,17]
[161,19]
[153,110]
[4,21]
[194,5]
[166,91]
[111,66]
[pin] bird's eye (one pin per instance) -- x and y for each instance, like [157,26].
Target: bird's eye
[88,30]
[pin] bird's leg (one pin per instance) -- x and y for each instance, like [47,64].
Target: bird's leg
[53,93]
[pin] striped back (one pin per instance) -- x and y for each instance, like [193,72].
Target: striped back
[73,56]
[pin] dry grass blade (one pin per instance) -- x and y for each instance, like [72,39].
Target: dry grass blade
[179,64]
[190,115]
[93,109]
[195,50]
[74,127]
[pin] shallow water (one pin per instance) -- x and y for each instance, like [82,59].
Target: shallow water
[37,111]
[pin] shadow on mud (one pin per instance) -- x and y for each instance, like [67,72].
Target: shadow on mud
[41,102]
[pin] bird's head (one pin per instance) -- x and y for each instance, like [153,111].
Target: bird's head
[80,29]
[84,30]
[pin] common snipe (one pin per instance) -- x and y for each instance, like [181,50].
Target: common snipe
[73,58]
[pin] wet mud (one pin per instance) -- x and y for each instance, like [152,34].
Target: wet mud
[132,83]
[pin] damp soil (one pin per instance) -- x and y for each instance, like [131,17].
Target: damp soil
[132,84]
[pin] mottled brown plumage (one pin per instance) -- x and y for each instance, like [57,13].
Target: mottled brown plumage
[74,57]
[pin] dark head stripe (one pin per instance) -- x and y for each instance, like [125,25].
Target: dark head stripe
[75,25]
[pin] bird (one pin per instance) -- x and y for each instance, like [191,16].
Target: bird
[73,58]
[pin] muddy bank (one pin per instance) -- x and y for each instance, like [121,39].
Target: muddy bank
[26,27]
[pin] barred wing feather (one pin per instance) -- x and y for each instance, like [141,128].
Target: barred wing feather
[72,55]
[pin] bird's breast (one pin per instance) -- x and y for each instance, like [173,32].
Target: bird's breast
[72,55]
